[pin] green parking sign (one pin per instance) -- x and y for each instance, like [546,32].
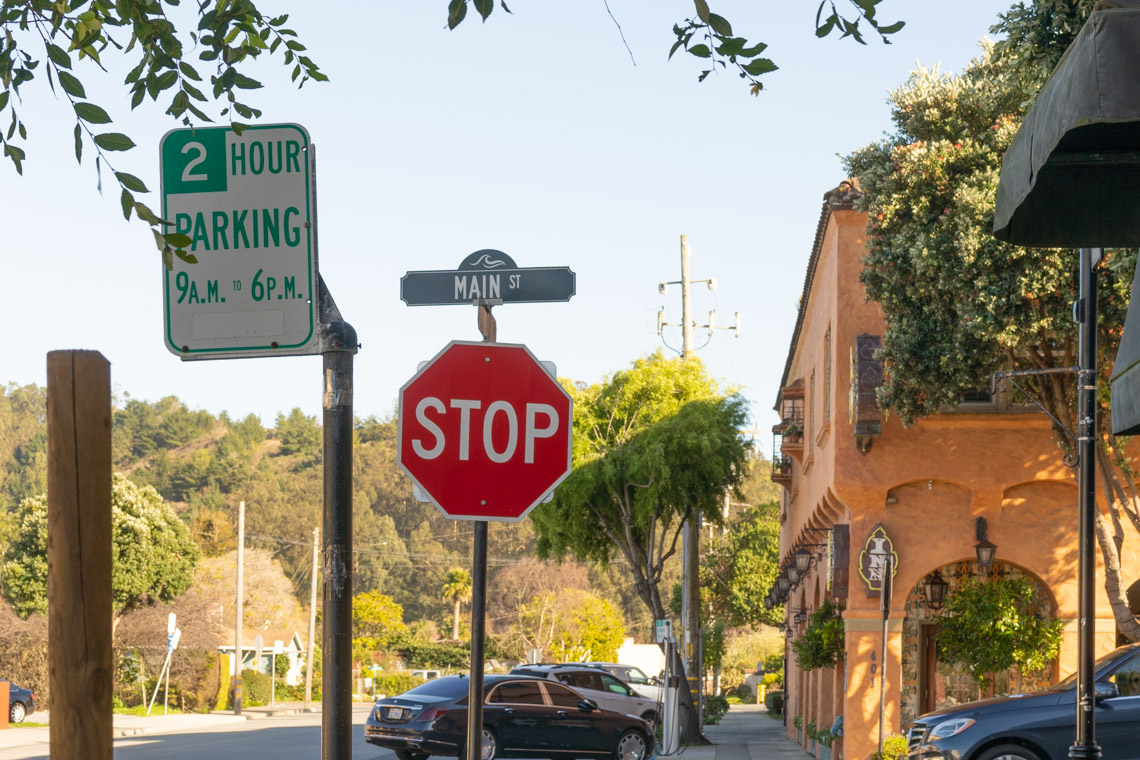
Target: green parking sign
[246,204]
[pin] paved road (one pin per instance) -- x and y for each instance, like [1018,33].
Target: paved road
[746,733]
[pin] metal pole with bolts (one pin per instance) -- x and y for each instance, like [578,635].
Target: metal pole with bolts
[488,329]
[1085,745]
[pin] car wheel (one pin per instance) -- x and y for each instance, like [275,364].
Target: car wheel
[1009,752]
[17,712]
[490,745]
[631,746]
[410,754]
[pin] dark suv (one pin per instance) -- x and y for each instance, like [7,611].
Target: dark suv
[1038,726]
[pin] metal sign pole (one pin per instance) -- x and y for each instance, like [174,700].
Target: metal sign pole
[1085,745]
[487,327]
[885,603]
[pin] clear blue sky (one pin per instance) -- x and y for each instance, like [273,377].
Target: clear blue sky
[533,134]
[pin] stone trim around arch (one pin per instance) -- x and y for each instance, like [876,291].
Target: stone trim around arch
[917,614]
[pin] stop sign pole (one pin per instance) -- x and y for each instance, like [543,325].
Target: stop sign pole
[485,434]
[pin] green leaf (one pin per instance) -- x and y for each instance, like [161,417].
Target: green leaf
[760,66]
[700,51]
[58,56]
[132,182]
[71,85]
[178,240]
[702,10]
[166,81]
[127,201]
[146,214]
[3,100]
[189,258]
[720,25]
[755,50]
[892,28]
[114,141]
[484,7]
[245,83]
[78,144]
[92,113]
[456,12]
[823,31]
[189,71]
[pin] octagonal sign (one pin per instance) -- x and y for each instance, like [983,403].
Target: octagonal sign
[485,431]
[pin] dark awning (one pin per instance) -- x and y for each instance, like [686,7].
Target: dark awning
[1071,176]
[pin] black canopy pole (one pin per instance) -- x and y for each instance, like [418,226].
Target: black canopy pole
[1085,745]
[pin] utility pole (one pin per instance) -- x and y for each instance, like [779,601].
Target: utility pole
[312,621]
[691,528]
[238,609]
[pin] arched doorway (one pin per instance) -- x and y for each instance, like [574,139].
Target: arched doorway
[928,684]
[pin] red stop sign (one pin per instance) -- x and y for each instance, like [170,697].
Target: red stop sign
[484,431]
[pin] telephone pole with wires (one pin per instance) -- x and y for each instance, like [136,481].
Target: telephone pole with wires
[691,528]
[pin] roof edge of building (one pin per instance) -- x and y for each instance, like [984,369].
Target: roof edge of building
[839,198]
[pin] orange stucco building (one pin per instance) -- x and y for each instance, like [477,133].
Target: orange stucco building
[846,470]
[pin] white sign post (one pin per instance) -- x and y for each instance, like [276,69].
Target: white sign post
[246,205]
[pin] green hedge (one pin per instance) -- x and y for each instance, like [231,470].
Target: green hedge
[391,684]
[715,708]
[774,702]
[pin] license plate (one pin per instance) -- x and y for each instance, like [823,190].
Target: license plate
[393,713]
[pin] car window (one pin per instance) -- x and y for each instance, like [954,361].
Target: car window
[1127,678]
[609,683]
[636,675]
[517,692]
[572,679]
[560,696]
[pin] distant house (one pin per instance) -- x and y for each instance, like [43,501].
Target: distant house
[257,649]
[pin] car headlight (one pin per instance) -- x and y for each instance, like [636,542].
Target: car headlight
[950,728]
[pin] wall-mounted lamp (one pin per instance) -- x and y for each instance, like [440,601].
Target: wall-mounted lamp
[934,589]
[793,572]
[985,549]
[782,583]
[803,558]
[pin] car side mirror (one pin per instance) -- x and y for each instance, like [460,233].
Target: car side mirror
[1105,690]
[587,705]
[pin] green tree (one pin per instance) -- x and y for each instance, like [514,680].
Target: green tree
[152,556]
[959,304]
[1015,634]
[709,37]
[71,40]
[593,628]
[457,586]
[740,567]
[653,444]
[377,621]
[299,434]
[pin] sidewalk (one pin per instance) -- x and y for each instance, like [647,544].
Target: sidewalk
[155,723]
[746,733]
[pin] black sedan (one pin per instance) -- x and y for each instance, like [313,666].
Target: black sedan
[21,703]
[1039,726]
[522,717]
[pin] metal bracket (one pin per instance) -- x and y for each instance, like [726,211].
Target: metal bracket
[1071,459]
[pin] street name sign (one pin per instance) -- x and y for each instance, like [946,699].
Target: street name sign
[487,277]
[246,202]
[484,431]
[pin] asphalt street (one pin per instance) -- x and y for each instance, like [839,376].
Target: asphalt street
[746,733]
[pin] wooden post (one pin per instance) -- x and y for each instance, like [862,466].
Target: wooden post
[79,554]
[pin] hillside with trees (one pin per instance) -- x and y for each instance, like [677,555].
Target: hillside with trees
[188,470]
